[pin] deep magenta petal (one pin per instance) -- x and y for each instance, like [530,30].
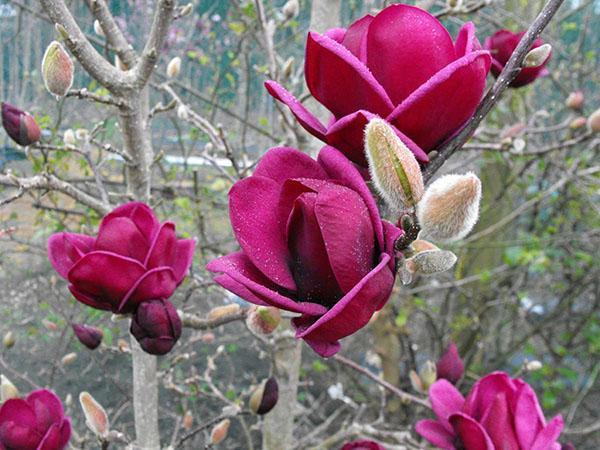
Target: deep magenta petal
[466,41]
[91,301]
[163,250]
[120,235]
[158,283]
[484,392]
[304,117]
[140,214]
[18,425]
[529,418]
[444,103]
[259,229]
[436,434]
[338,79]
[547,438]
[282,163]
[65,249]
[497,422]
[406,46]
[355,38]
[240,290]
[471,434]
[184,256]
[47,408]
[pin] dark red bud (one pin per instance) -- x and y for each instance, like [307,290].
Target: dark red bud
[156,326]
[265,397]
[363,445]
[20,126]
[89,336]
[567,446]
[450,366]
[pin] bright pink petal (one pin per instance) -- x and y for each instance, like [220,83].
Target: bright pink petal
[339,81]
[105,275]
[444,103]
[351,249]
[337,34]
[155,284]
[529,418]
[47,408]
[484,392]
[445,401]
[352,312]
[282,163]
[121,235]
[311,267]
[405,47]
[17,425]
[259,229]
[497,422]
[436,434]
[65,249]
[339,168]
[51,440]
[304,117]
[466,41]
[471,433]
[355,38]
[549,435]
[241,269]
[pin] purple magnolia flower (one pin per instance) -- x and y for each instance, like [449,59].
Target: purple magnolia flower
[501,45]
[312,243]
[134,258]
[156,326]
[500,412]
[19,125]
[89,336]
[401,65]
[450,366]
[35,423]
[362,445]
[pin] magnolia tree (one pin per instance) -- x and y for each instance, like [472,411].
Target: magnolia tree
[339,305]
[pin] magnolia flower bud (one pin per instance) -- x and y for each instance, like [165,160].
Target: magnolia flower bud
[49,325]
[208,337]
[156,326]
[174,67]
[89,336]
[265,397]
[594,121]
[454,4]
[82,134]
[57,70]
[428,374]
[95,416]
[288,65]
[513,130]
[119,64]
[428,262]
[9,339]
[421,245]
[219,431]
[188,420]
[415,381]
[186,10]
[450,366]
[20,126]
[98,28]
[182,112]
[69,137]
[537,56]
[123,346]
[263,319]
[577,123]
[69,358]
[532,366]
[450,207]
[291,9]
[7,389]
[223,311]
[394,169]
[575,100]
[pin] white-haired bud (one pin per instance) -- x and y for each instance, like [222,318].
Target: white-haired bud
[537,56]
[575,100]
[69,137]
[7,389]
[428,374]
[220,431]
[174,67]
[95,416]
[394,169]
[182,112]
[57,70]
[291,9]
[532,366]
[594,121]
[450,207]
[98,28]
[186,10]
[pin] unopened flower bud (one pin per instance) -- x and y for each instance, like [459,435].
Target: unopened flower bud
[594,121]
[89,336]
[82,134]
[208,337]
[57,70]
[415,381]
[119,64]
[577,123]
[7,389]
[430,262]
[291,9]
[454,4]
[123,346]
[98,28]
[186,10]
[450,207]
[9,340]
[188,420]
[265,397]
[394,169]
[421,245]
[532,366]
[156,326]
[69,137]
[182,112]
[513,131]
[575,100]
[537,56]
[263,319]
[20,126]
[49,325]
[288,65]
[223,311]
[450,366]
[69,358]
[219,431]
[95,416]
[174,67]
[428,374]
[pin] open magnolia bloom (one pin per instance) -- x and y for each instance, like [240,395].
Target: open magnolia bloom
[133,259]
[401,65]
[313,243]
